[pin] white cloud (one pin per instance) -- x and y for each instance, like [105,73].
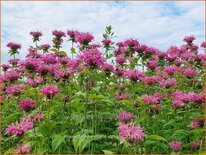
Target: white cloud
[159,24]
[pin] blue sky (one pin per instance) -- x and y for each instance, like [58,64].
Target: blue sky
[159,24]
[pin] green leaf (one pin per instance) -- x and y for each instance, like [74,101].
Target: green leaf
[58,139]
[63,53]
[156,137]
[53,49]
[73,50]
[107,152]
[10,151]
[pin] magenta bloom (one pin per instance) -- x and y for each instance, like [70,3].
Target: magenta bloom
[176,146]
[45,47]
[27,104]
[196,145]
[93,58]
[58,34]
[131,132]
[10,76]
[152,64]
[107,67]
[125,117]
[167,83]
[203,45]
[13,46]
[195,124]
[83,38]
[189,39]
[189,73]
[120,59]
[120,96]
[5,67]
[153,99]
[36,34]
[106,42]
[38,117]
[134,75]
[20,128]
[34,82]
[151,80]
[15,90]
[23,149]
[178,104]
[49,91]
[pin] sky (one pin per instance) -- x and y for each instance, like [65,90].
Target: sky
[158,24]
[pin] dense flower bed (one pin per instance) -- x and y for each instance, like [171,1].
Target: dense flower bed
[107,97]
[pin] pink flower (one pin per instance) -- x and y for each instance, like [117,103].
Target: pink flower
[36,35]
[23,149]
[196,145]
[120,59]
[151,80]
[195,124]
[131,43]
[10,76]
[93,58]
[196,98]
[107,67]
[152,64]
[153,99]
[5,67]
[119,71]
[134,75]
[14,61]
[45,47]
[106,42]
[125,117]
[131,132]
[20,128]
[34,82]
[178,104]
[189,39]
[203,45]
[168,83]
[49,91]
[15,90]
[14,46]
[176,146]
[27,104]
[189,72]
[83,38]
[72,34]
[58,34]
[38,117]
[120,96]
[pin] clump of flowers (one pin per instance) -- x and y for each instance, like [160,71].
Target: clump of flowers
[132,133]
[125,117]
[49,91]
[121,96]
[19,128]
[15,90]
[23,149]
[27,104]
[134,75]
[176,146]
[93,58]
[83,38]
[196,145]
[168,83]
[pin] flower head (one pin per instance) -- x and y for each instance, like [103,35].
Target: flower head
[49,91]
[175,146]
[19,128]
[83,38]
[27,104]
[36,35]
[13,45]
[23,149]
[106,42]
[189,39]
[131,132]
[125,117]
